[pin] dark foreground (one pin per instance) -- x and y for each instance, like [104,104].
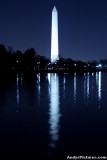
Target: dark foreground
[52,116]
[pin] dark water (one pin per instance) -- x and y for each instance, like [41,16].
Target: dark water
[52,116]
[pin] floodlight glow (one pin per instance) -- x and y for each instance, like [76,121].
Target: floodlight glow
[100,65]
[54,36]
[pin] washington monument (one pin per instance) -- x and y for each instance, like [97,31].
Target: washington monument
[54,36]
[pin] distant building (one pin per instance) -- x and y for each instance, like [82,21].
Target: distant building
[54,36]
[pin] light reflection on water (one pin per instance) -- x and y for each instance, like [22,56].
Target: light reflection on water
[85,84]
[99,86]
[17,92]
[92,85]
[19,82]
[75,83]
[56,94]
[64,85]
[99,89]
[54,112]
[88,85]
[38,86]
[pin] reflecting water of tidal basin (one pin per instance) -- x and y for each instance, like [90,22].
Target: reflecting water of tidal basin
[53,114]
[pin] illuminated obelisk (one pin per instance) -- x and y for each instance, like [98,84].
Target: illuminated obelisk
[54,36]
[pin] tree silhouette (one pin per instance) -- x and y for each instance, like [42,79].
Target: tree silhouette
[29,59]
[3,57]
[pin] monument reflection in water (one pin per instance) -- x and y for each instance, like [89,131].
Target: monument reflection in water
[67,112]
[54,111]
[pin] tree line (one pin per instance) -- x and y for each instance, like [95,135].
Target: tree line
[16,60]
[31,61]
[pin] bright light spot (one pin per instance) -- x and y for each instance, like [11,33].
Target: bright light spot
[38,76]
[64,81]
[100,65]
[49,77]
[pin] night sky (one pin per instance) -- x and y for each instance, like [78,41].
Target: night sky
[82,27]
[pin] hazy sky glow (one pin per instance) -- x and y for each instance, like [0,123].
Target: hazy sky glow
[82,27]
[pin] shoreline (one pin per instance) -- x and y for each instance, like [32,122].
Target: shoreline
[53,71]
